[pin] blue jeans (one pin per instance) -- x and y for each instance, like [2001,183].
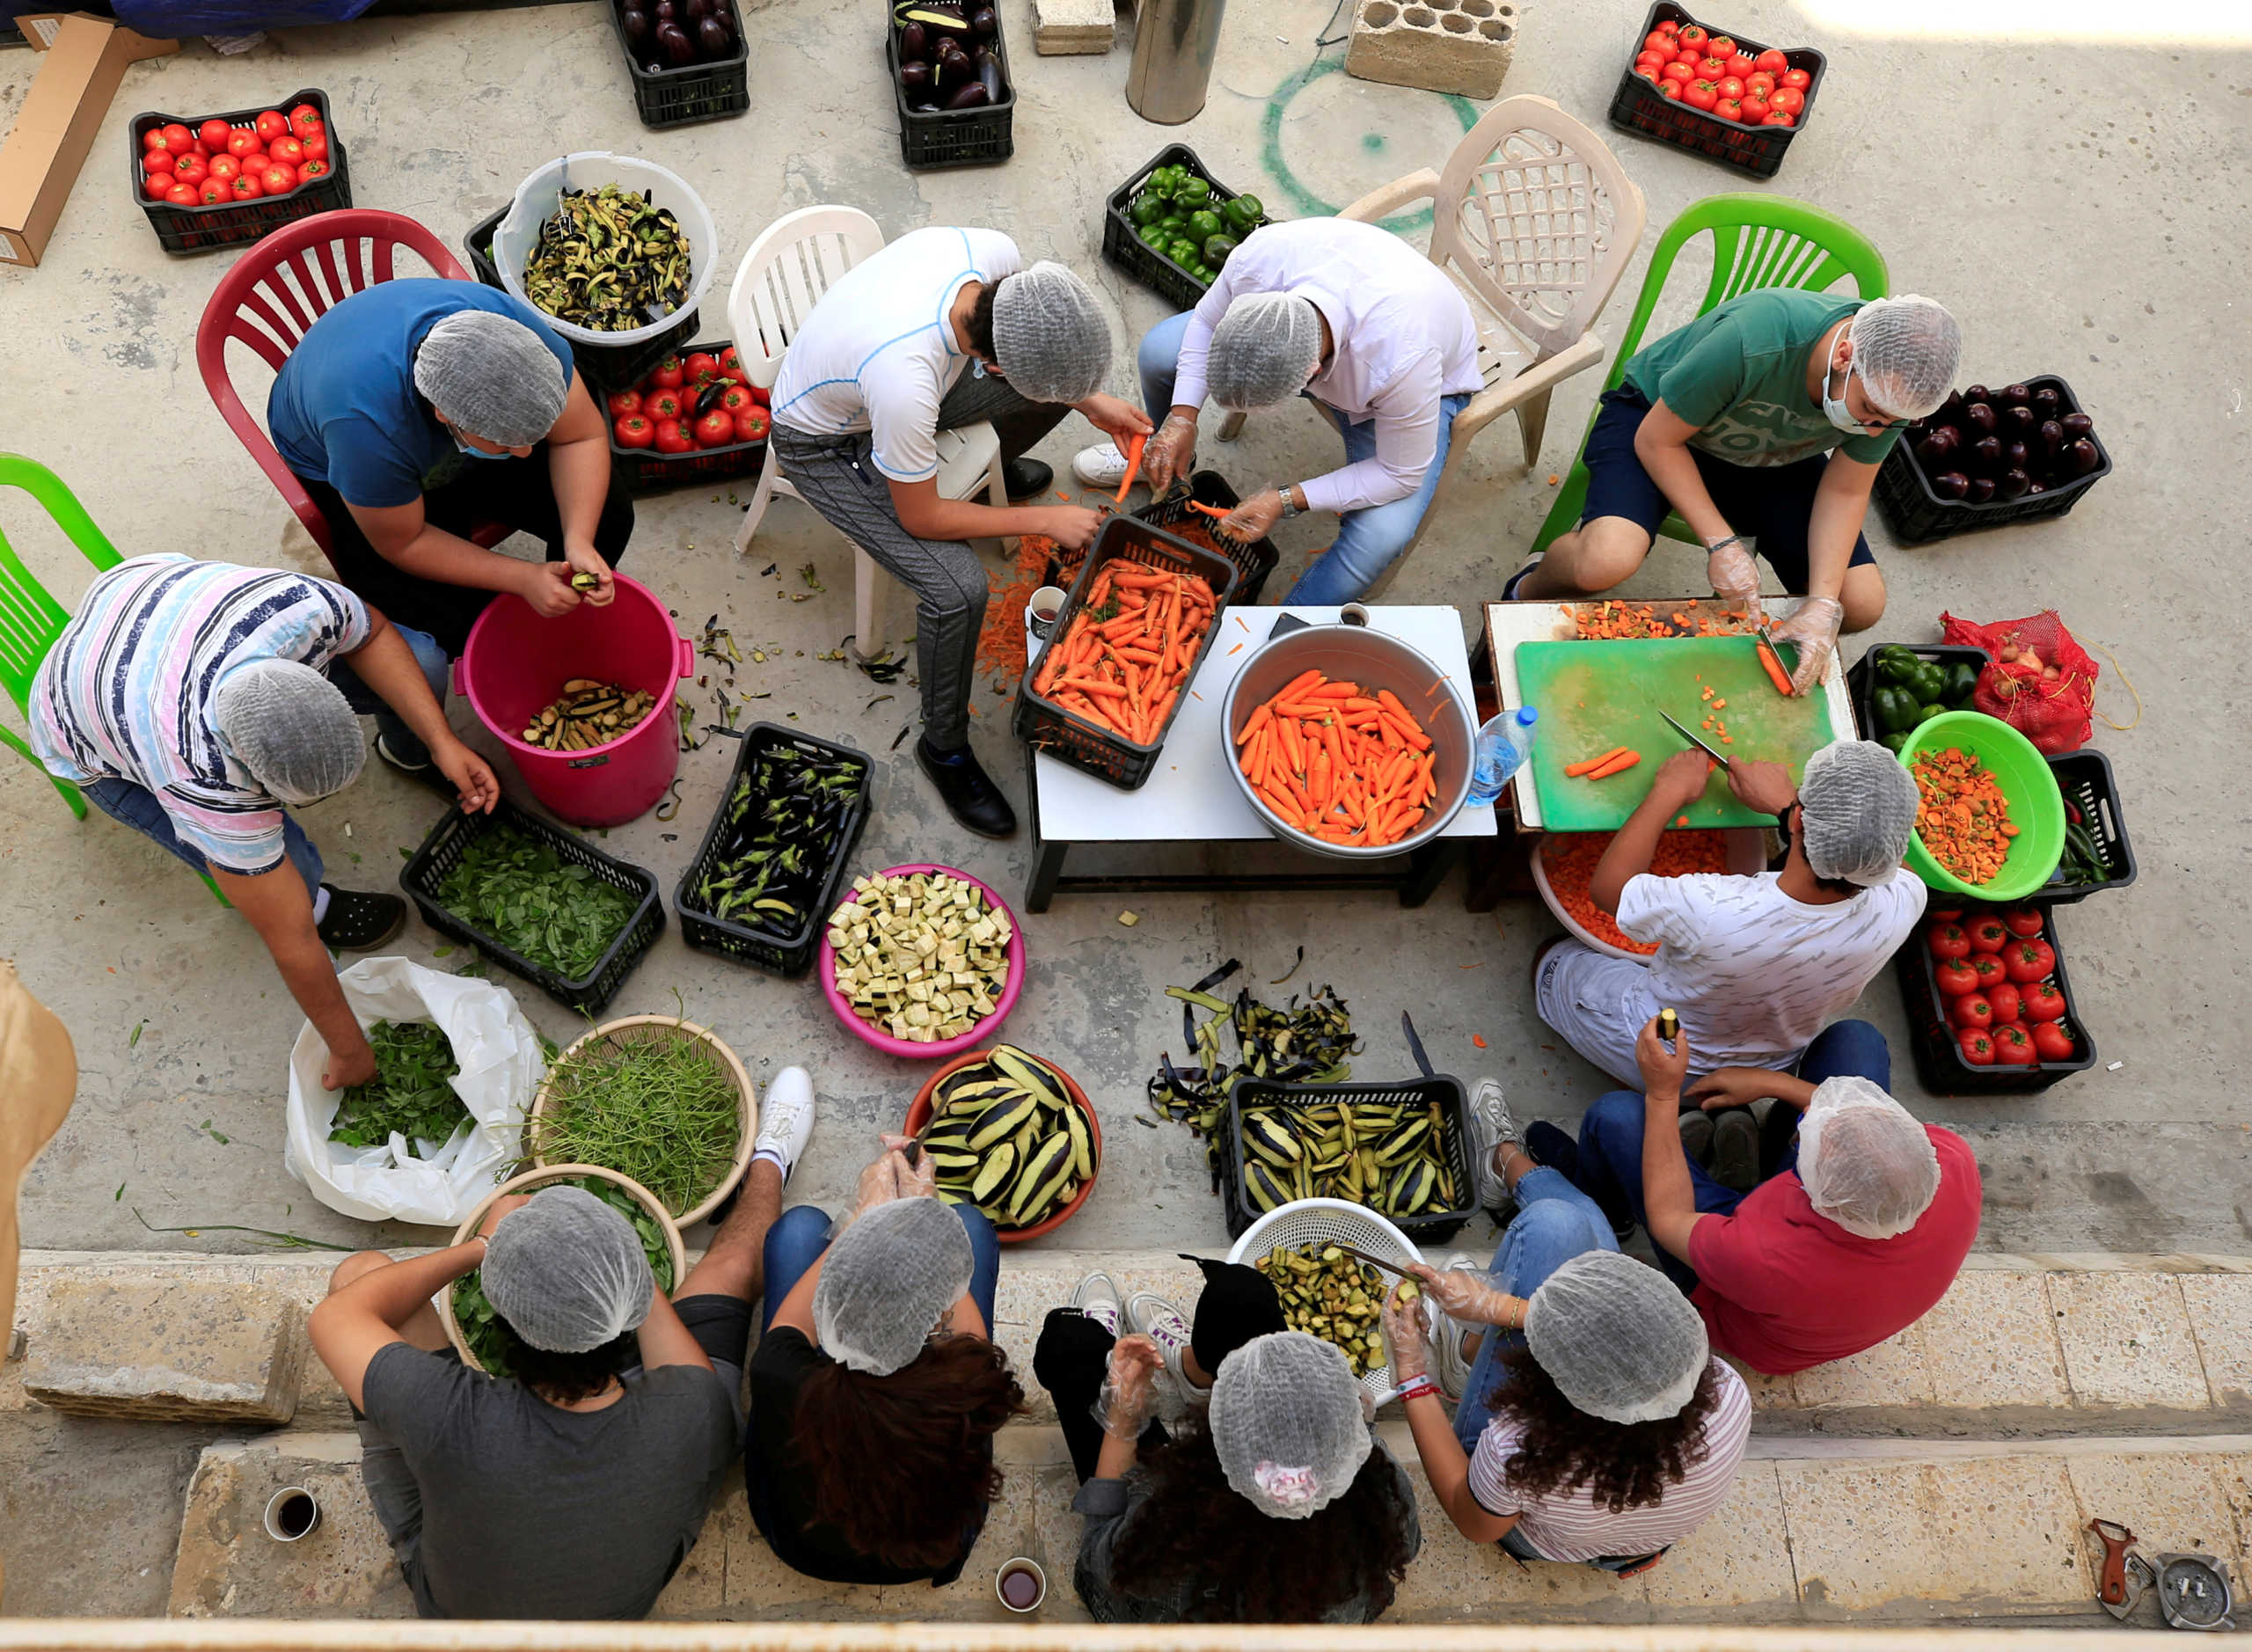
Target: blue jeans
[1611,1136]
[800,1234]
[135,806]
[1367,540]
[404,744]
[1554,1223]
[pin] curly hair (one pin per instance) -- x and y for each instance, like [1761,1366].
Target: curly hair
[1243,1567]
[899,1464]
[1623,1465]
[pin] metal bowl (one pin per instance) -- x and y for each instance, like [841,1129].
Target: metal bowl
[1349,651]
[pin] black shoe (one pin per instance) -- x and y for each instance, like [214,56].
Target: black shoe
[1023,477]
[1736,1149]
[357,922]
[968,792]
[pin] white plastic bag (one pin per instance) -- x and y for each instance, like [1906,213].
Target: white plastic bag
[501,1066]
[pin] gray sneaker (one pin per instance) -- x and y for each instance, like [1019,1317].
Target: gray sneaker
[1149,1314]
[1449,1363]
[1097,1298]
[1490,1125]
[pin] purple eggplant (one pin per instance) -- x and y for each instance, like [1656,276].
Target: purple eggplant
[2083,456]
[914,43]
[2037,488]
[2052,437]
[1982,489]
[2016,454]
[1986,452]
[713,38]
[2047,402]
[2019,420]
[1977,393]
[989,72]
[2012,485]
[1950,484]
[2078,424]
[1935,448]
[679,49]
[1951,410]
[634,23]
[2016,396]
[914,79]
[970,96]
[1981,417]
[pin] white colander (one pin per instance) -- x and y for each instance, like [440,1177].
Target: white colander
[1331,1222]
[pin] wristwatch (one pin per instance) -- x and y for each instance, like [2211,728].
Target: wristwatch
[1282,492]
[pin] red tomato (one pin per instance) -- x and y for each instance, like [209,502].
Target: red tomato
[153,138]
[1648,71]
[2027,961]
[215,134]
[1988,934]
[1773,61]
[304,118]
[156,161]
[201,148]
[1739,64]
[307,171]
[1972,1009]
[1759,85]
[1721,46]
[1729,108]
[1678,74]
[1669,27]
[181,195]
[1657,41]
[1712,67]
[271,125]
[1729,86]
[752,424]
[1976,1047]
[1670,89]
[2042,1002]
[178,138]
[731,364]
[1691,56]
[314,145]
[1702,94]
[2013,1045]
[662,405]
[671,438]
[735,397]
[2053,1042]
[633,430]
[2003,997]
[1651,60]
[2022,921]
[213,191]
[279,179]
[715,430]
[1755,109]
[286,150]
[1693,36]
[159,185]
[623,402]
[244,141]
[1948,940]
[226,166]
[667,373]
[1788,99]
[1776,117]
[247,187]
[1797,79]
[1954,978]
[1988,969]
[1944,914]
[191,169]
[762,398]
[700,370]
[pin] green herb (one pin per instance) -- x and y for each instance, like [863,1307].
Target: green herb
[517,889]
[409,1093]
[491,1338]
[650,1102]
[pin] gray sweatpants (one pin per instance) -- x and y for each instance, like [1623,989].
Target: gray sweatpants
[838,479]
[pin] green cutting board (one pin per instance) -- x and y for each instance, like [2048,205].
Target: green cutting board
[1593,696]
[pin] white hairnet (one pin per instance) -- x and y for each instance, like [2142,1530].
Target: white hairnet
[491,376]
[1618,1338]
[292,727]
[568,1272]
[1287,1424]
[886,1283]
[1906,350]
[1049,336]
[1867,1165]
[1860,808]
[1264,350]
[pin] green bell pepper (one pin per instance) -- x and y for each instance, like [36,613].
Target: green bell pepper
[1925,713]
[1154,239]
[1893,743]
[1962,677]
[1194,192]
[1182,253]
[1204,277]
[1894,663]
[1203,226]
[1174,223]
[1147,210]
[1216,249]
[1244,212]
[1927,681]
[1895,708]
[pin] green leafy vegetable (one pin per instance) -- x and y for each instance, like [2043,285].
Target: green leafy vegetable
[650,1102]
[515,888]
[410,1093]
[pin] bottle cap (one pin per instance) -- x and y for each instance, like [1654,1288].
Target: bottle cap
[1527,716]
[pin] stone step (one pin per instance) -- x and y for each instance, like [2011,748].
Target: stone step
[1814,1532]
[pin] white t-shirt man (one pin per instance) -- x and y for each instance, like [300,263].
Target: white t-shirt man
[877,352]
[1753,973]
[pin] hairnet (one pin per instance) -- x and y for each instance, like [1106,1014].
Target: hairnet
[1906,350]
[1618,1338]
[1286,1422]
[568,1272]
[1264,350]
[491,376]
[886,1282]
[292,727]
[1867,1165]
[1859,807]
[1049,336]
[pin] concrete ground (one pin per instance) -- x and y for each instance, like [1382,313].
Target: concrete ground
[2074,193]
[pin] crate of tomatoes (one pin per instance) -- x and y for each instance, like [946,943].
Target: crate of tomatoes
[228,180]
[692,418]
[1715,93]
[1990,1008]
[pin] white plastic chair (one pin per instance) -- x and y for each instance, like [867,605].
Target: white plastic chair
[784,275]
[1535,220]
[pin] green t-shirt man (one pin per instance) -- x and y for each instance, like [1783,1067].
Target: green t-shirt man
[1738,373]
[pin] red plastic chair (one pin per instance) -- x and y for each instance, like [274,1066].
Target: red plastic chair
[277,291]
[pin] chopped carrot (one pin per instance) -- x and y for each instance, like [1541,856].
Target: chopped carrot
[1568,860]
[1963,819]
[1681,820]
[1479,1042]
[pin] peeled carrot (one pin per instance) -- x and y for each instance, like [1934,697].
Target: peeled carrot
[1619,764]
[1351,766]
[1776,675]
[1589,765]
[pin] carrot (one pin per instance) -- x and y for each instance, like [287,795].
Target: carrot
[1619,764]
[1588,765]
[1773,666]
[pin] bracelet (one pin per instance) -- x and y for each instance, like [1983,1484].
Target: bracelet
[1417,1387]
[1722,544]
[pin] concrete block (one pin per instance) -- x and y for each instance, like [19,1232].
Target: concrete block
[2126,1341]
[1067,27]
[1737,1563]
[2221,1318]
[1992,1342]
[1462,47]
[1894,1373]
[2175,1502]
[227,1567]
[176,1350]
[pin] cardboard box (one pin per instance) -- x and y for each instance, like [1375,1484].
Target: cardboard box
[83,60]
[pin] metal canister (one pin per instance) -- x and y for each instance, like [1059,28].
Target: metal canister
[1174,43]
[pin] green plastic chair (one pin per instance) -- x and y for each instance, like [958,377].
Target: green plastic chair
[30,620]
[1758,241]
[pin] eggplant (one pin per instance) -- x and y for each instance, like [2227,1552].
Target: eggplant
[2016,454]
[936,21]
[1977,393]
[2019,420]
[914,79]
[1951,410]
[2052,437]
[2077,424]
[713,38]
[679,49]
[985,22]
[970,96]
[1981,417]
[2083,456]
[1950,484]
[2047,402]
[1986,452]
[1935,448]
[1982,489]
[2017,396]
[989,72]
[2012,485]
[2037,488]
[664,11]
[914,42]
[634,24]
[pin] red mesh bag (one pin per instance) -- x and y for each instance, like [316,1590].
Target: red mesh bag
[2040,681]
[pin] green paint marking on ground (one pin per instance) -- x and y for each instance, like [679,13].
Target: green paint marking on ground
[1308,204]
[1373,141]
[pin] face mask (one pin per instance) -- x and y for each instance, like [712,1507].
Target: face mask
[1836,411]
[479,453]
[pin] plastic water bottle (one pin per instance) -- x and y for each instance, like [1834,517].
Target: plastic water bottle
[1503,745]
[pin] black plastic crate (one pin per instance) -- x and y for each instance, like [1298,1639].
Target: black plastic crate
[2085,779]
[607,367]
[790,954]
[1939,1063]
[929,140]
[1861,684]
[237,224]
[1123,244]
[442,851]
[701,92]
[1454,1108]
[1063,735]
[645,471]
[1919,515]
[1253,562]
[1639,108]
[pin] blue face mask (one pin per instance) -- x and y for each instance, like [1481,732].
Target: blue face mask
[478,453]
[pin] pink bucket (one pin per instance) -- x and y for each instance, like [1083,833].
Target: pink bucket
[516,663]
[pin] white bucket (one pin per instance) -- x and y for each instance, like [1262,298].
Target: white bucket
[591,169]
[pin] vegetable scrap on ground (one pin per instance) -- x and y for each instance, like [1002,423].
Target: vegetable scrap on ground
[779,836]
[409,1096]
[608,260]
[1964,819]
[1310,1043]
[1007,1136]
[589,713]
[1334,759]
[492,1341]
[1126,652]
[1568,859]
[517,889]
[651,1101]
[921,956]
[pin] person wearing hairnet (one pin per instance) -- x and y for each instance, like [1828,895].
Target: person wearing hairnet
[942,329]
[1278,1505]
[195,701]
[877,1388]
[416,412]
[1363,325]
[573,1484]
[1764,419]
[1755,965]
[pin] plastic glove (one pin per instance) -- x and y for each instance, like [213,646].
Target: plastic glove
[1170,453]
[1814,630]
[1735,576]
[1460,1294]
[1403,1336]
[1129,1388]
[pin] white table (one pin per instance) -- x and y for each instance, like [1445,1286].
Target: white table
[1193,798]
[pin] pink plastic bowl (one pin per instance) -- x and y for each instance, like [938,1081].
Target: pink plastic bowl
[944,1047]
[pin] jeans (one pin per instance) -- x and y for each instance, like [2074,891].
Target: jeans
[1610,1170]
[437,670]
[1367,539]
[1554,1223]
[135,806]
[800,1234]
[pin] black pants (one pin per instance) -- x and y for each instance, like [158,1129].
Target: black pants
[518,492]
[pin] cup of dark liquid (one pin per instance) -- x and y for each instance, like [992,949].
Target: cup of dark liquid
[290,1513]
[1043,611]
[1021,1584]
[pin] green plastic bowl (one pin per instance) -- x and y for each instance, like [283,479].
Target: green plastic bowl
[2036,807]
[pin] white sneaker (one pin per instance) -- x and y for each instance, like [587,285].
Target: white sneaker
[1097,1298]
[1449,1363]
[785,1118]
[1102,466]
[1150,1315]
[1490,1125]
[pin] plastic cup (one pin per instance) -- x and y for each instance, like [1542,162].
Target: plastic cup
[1020,1585]
[291,1514]
[1043,611]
